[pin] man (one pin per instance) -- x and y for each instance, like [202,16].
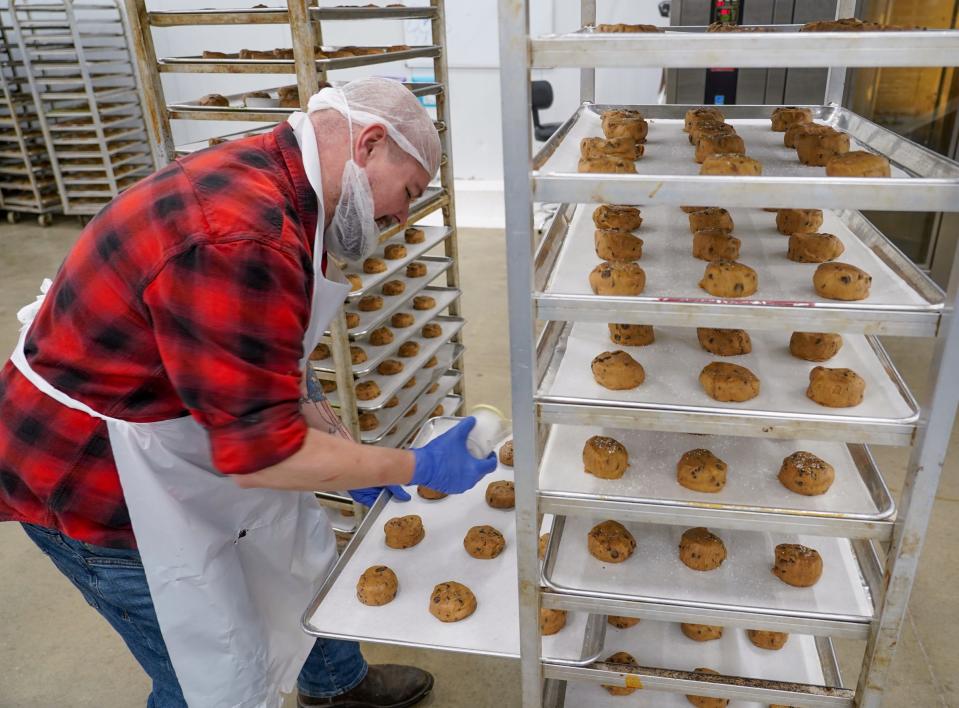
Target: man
[153,439]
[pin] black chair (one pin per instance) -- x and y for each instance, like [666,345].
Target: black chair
[541,98]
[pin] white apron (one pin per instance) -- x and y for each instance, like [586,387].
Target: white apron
[230,570]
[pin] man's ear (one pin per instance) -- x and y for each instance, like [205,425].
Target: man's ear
[372,137]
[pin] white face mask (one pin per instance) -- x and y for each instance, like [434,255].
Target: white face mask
[353,234]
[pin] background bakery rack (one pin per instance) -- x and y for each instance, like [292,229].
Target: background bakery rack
[77,61]
[556,406]
[306,22]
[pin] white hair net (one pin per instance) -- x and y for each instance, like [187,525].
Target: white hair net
[391,104]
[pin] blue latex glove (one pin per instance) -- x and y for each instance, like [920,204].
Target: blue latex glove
[444,464]
[367,496]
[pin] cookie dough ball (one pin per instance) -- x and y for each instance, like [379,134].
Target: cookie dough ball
[858,163]
[701,549]
[624,147]
[605,457]
[214,99]
[355,281]
[718,144]
[370,303]
[815,346]
[328,386]
[484,542]
[414,235]
[431,494]
[352,320]
[841,281]
[617,278]
[774,641]
[551,621]
[814,248]
[402,319]
[798,221]
[411,383]
[381,336]
[797,565]
[506,453]
[707,701]
[501,495]
[724,342]
[731,164]
[711,218]
[788,116]
[392,403]
[701,632]
[607,163]
[616,217]
[730,279]
[368,421]
[729,382]
[715,244]
[695,116]
[610,542]
[691,209]
[393,288]
[404,531]
[367,390]
[621,657]
[709,129]
[617,371]
[621,123]
[408,349]
[321,352]
[389,367]
[431,330]
[819,148]
[701,471]
[357,355]
[394,251]
[630,335]
[796,130]
[622,622]
[431,362]
[377,586]
[412,411]
[374,265]
[415,269]
[618,245]
[424,302]
[438,411]
[452,602]
[835,388]
[543,542]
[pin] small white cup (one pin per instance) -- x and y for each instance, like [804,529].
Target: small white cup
[489,429]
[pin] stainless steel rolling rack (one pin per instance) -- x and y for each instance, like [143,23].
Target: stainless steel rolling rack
[77,60]
[555,409]
[27,184]
[408,399]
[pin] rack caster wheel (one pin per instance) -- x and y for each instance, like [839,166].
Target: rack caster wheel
[45,219]
[13,217]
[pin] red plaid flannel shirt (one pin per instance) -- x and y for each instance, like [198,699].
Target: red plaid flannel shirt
[188,294]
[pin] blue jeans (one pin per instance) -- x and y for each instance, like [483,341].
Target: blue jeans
[113,583]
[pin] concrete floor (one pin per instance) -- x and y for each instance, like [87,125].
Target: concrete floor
[56,651]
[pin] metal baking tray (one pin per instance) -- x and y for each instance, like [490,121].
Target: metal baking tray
[667,174]
[370,282]
[406,431]
[742,592]
[373,13]
[435,267]
[391,385]
[377,353]
[671,398]
[804,661]
[782,46]
[279,15]
[903,300]
[858,505]
[198,65]
[237,110]
[390,418]
[492,630]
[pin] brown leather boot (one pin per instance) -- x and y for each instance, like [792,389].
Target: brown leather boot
[385,686]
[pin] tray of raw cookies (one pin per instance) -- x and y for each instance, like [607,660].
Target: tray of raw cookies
[419,399]
[370,312]
[753,579]
[772,657]
[375,390]
[382,343]
[430,407]
[797,486]
[788,259]
[850,163]
[280,60]
[441,573]
[391,258]
[728,382]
